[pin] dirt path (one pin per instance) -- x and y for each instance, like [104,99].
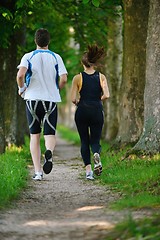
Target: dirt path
[64,205]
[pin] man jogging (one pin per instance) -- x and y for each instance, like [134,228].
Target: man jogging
[41,75]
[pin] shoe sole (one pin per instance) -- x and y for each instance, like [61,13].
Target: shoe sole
[40,178]
[34,179]
[90,179]
[98,168]
[47,167]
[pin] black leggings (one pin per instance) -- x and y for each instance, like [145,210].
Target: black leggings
[89,122]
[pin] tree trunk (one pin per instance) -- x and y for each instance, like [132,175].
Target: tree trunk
[133,76]
[13,115]
[10,88]
[114,75]
[150,138]
[2,138]
[21,119]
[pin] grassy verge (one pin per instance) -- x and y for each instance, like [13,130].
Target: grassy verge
[146,229]
[13,173]
[137,178]
[138,181]
[68,134]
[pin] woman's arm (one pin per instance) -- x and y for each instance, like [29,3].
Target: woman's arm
[104,86]
[74,89]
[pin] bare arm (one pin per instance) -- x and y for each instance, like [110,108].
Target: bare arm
[63,80]
[74,89]
[20,79]
[105,89]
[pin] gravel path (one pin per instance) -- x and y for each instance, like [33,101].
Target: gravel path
[64,205]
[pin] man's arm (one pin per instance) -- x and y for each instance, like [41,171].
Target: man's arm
[20,79]
[62,81]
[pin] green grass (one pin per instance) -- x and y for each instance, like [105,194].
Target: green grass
[146,229]
[138,182]
[13,174]
[14,171]
[137,179]
[69,135]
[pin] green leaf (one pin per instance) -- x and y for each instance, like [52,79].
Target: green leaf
[85,1]
[96,3]
[8,15]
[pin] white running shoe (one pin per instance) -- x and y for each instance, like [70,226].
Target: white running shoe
[38,176]
[97,164]
[90,176]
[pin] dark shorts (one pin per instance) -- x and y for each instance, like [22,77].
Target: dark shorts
[41,114]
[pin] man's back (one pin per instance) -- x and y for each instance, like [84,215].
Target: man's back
[42,75]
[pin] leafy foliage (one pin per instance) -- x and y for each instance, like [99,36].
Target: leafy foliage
[87,19]
[96,3]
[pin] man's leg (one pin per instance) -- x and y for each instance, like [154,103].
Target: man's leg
[49,124]
[35,151]
[50,142]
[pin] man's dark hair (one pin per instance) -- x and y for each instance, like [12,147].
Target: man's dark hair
[42,37]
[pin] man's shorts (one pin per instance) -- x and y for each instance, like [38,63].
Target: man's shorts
[41,114]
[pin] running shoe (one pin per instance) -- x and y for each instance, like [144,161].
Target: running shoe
[90,176]
[97,164]
[48,162]
[38,176]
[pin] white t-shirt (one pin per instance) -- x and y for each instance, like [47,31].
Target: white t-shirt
[42,76]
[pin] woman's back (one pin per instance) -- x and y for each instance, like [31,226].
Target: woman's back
[91,88]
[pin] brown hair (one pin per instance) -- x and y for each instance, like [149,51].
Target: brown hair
[42,37]
[93,56]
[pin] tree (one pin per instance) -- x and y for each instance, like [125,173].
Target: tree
[2,134]
[113,72]
[10,18]
[18,16]
[150,138]
[131,103]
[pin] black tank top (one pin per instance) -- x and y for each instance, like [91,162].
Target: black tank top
[91,88]
[91,91]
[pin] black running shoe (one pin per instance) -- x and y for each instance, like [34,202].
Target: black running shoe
[48,162]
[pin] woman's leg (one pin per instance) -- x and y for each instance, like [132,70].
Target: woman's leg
[83,130]
[96,131]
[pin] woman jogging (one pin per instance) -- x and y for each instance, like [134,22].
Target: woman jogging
[93,89]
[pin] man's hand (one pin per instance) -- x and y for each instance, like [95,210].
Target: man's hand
[21,90]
